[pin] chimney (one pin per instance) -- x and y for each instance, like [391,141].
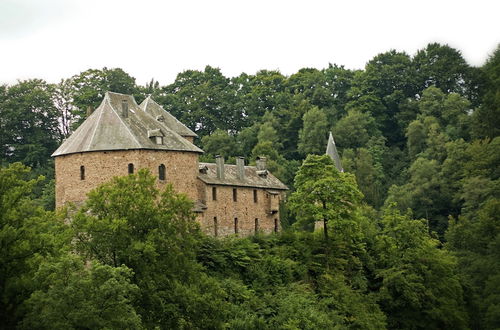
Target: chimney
[261,163]
[219,161]
[125,108]
[89,110]
[240,165]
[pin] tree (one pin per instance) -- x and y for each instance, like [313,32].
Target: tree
[323,193]
[475,239]
[129,222]
[388,80]
[27,235]
[219,143]
[486,118]
[444,67]
[451,111]
[204,101]
[424,194]
[312,138]
[72,295]
[63,102]
[28,121]
[420,287]
[355,129]
[89,87]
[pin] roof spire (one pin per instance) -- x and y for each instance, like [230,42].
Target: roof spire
[331,151]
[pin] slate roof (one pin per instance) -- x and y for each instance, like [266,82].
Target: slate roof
[331,150]
[155,110]
[108,129]
[252,179]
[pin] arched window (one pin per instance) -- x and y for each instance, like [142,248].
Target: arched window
[235,195]
[161,172]
[82,172]
[130,168]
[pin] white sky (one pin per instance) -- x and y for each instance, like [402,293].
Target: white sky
[54,39]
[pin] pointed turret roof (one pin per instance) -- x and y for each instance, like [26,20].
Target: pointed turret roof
[331,150]
[154,109]
[110,127]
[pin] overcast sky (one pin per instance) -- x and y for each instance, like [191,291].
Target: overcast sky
[54,39]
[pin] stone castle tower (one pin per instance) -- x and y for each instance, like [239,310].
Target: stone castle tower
[120,137]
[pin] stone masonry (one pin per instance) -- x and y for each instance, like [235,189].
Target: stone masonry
[121,137]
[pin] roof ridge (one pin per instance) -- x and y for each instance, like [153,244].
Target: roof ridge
[95,127]
[121,120]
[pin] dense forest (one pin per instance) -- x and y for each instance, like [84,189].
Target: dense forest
[413,224]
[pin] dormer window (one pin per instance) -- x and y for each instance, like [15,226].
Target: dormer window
[156,135]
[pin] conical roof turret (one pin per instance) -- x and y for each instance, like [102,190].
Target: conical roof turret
[331,150]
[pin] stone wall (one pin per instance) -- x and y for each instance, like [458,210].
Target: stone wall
[245,209]
[182,172]
[100,167]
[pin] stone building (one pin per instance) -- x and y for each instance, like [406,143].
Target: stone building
[120,137]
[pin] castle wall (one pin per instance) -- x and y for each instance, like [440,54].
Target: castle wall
[181,170]
[245,209]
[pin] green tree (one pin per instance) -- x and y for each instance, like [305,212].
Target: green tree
[89,87]
[71,295]
[444,67]
[486,118]
[204,101]
[219,143]
[28,122]
[27,235]
[323,193]
[354,130]
[129,222]
[420,287]
[313,136]
[475,239]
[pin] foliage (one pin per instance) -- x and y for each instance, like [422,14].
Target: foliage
[323,193]
[73,295]
[420,131]
[27,235]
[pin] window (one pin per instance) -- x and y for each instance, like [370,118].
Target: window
[82,172]
[235,195]
[276,225]
[216,227]
[214,193]
[159,139]
[236,225]
[255,195]
[256,225]
[161,172]
[130,168]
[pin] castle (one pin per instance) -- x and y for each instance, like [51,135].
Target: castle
[120,137]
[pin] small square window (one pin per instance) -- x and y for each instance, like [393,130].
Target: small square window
[159,139]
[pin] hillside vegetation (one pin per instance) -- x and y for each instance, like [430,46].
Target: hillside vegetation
[413,225]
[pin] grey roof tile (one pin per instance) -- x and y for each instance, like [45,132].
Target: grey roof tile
[107,129]
[155,110]
[331,150]
[252,179]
